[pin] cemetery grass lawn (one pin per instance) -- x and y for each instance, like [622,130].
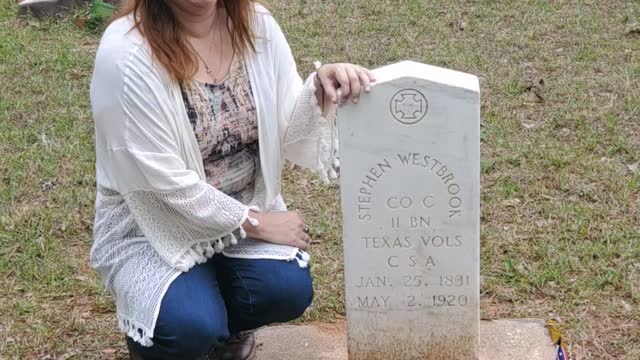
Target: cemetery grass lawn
[560,151]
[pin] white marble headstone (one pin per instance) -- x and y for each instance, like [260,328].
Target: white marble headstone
[410,192]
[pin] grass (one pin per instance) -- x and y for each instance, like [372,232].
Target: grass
[568,250]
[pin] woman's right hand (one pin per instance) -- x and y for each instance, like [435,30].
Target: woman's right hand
[281,227]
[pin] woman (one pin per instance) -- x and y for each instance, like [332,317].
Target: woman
[196,105]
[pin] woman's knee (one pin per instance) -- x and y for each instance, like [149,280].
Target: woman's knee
[200,336]
[192,337]
[287,296]
[192,316]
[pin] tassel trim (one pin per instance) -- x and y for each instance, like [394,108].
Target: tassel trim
[135,332]
[201,251]
[303,258]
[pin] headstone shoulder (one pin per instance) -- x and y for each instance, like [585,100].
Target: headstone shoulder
[412,69]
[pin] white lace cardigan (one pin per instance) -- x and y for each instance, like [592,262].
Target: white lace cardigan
[156,216]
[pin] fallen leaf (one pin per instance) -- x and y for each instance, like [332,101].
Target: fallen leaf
[458,24]
[634,167]
[48,185]
[511,202]
[633,29]
[542,223]
[81,278]
[68,354]
[81,22]
[564,132]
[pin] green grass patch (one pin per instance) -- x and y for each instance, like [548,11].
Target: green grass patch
[568,251]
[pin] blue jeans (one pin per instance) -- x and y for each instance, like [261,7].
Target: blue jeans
[223,296]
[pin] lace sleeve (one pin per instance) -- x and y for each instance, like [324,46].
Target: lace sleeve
[188,225]
[310,139]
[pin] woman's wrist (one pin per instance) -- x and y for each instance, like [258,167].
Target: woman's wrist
[254,231]
[319,92]
[317,82]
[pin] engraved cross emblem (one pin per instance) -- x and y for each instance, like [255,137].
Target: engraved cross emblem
[408,106]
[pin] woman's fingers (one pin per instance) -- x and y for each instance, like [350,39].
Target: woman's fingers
[364,78]
[329,88]
[302,241]
[345,83]
[354,83]
[369,73]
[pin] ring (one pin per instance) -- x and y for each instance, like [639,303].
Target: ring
[305,230]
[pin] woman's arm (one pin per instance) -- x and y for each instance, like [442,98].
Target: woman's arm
[305,117]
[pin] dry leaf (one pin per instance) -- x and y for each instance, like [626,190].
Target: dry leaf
[81,278]
[633,30]
[634,167]
[543,223]
[69,354]
[564,132]
[511,202]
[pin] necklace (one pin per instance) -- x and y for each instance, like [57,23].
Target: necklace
[204,62]
[206,65]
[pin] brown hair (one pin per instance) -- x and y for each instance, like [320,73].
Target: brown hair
[157,23]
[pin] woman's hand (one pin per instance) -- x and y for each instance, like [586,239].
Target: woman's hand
[284,228]
[351,79]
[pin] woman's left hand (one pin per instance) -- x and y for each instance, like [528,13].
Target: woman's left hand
[351,79]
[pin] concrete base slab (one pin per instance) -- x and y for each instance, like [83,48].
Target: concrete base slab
[499,340]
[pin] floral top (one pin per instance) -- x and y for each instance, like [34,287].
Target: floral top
[224,120]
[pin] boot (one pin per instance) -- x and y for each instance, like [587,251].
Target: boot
[240,346]
[133,355]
